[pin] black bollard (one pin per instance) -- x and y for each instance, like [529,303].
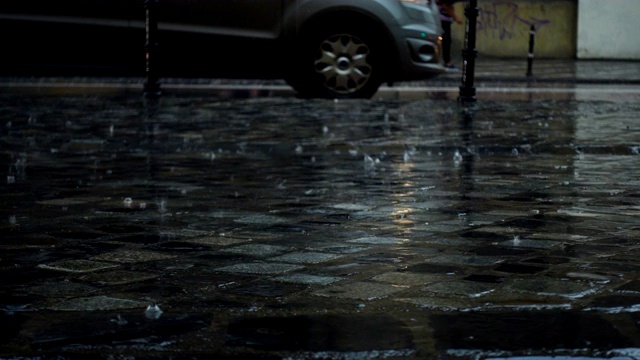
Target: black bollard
[152,84]
[469,54]
[532,39]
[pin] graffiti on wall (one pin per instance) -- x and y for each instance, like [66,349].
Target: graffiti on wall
[502,20]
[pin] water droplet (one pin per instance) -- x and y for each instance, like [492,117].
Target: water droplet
[369,163]
[163,206]
[153,312]
[457,157]
[514,152]
[120,320]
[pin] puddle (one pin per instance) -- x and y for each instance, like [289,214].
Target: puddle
[105,330]
[526,332]
[324,334]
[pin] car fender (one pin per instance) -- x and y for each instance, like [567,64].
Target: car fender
[298,13]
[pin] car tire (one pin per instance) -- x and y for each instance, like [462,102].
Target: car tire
[342,61]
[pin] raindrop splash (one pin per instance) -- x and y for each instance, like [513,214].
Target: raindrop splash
[457,157]
[119,320]
[153,312]
[370,163]
[162,206]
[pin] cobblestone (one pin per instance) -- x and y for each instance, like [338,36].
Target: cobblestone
[275,227]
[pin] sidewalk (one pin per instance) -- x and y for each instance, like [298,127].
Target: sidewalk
[552,70]
[487,70]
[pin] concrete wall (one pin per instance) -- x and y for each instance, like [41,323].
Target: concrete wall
[503,27]
[608,29]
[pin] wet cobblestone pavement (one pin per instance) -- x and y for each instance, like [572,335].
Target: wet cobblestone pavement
[196,226]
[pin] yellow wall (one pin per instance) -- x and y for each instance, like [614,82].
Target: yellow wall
[503,28]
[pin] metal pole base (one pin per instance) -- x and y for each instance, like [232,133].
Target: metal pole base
[151,89]
[467,94]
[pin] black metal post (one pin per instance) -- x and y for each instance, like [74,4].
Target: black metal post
[532,39]
[469,54]
[152,84]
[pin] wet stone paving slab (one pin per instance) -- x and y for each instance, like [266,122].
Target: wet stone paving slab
[213,227]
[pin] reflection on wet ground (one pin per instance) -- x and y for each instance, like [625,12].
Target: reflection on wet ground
[198,226]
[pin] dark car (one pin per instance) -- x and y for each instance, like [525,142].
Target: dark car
[323,48]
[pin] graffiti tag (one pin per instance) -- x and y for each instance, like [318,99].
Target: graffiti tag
[501,20]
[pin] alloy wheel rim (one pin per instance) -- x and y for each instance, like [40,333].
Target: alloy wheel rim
[344,63]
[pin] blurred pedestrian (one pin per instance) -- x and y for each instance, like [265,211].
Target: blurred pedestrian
[447,17]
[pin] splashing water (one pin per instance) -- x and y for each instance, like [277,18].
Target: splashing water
[370,163]
[153,312]
[457,157]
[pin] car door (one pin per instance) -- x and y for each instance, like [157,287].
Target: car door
[218,37]
[71,34]
[240,18]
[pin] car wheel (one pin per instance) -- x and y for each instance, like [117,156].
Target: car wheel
[339,64]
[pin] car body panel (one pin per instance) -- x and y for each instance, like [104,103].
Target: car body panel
[227,38]
[68,34]
[238,18]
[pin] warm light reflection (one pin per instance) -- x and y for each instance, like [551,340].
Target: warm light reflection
[401,213]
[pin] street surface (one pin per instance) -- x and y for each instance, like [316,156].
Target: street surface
[234,220]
